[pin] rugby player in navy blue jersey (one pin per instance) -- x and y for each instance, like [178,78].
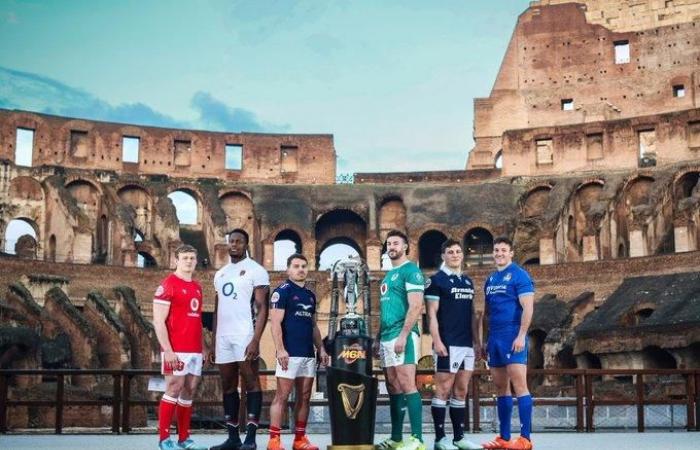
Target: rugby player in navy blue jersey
[454,328]
[295,334]
[510,294]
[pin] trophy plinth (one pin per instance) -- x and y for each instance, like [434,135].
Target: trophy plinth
[352,390]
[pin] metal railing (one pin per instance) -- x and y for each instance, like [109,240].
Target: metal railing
[585,401]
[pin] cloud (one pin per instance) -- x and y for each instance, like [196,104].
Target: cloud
[215,115]
[32,92]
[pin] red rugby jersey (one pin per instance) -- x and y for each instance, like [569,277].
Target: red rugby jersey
[184,321]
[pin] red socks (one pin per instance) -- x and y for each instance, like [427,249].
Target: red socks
[274,432]
[184,417]
[299,430]
[166,410]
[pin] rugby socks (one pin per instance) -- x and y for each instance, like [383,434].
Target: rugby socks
[438,409]
[415,414]
[166,410]
[457,417]
[253,403]
[231,404]
[505,412]
[299,430]
[274,432]
[525,412]
[184,418]
[397,408]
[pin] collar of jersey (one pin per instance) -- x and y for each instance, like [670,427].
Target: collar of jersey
[405,262]
[231,263]
[505,268]
[445,269]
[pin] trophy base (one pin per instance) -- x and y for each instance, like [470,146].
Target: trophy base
[351,447]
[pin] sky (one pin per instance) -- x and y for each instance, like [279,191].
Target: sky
[393,81]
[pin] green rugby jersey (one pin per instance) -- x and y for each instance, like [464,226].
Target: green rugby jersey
[393,302]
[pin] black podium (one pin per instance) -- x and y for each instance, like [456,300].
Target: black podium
[352,390]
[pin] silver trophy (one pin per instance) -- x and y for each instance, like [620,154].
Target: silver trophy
[354,274]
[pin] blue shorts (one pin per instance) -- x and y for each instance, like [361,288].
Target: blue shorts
[499,351]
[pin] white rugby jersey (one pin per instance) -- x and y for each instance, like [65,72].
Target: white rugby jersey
[234,284]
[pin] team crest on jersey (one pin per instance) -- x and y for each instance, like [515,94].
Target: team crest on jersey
[507,277]
[383,288]
[428,282]
[159,291]
[242,273]
[394,277]
[275,297]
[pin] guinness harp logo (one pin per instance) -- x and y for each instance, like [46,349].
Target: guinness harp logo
[353,398]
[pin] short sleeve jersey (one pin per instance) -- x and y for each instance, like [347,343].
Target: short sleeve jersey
[503,290]
[299,305]
[393,303]
[184,321]
[235,284]
[455,294]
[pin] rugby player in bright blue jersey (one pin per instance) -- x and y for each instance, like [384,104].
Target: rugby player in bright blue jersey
[510,295]
[295,334]
[455,330]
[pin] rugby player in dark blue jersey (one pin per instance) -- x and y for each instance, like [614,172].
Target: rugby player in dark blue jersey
[454,328]
[295,334]
[510,294]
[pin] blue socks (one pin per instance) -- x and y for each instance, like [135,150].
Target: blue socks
[525,412]
[505,412]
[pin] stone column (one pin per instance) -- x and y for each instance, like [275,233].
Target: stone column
[638,244]
[374,254]
[548,251]
[590,248]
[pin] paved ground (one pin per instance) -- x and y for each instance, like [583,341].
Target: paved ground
[543,441]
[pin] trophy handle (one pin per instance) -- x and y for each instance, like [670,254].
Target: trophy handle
[332,322]
[367,301]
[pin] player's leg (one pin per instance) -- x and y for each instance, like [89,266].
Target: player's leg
[184,409]
[251,382]
[498,350]
[285,383]
[167,408]
[464,357]
[228,358]
[517,373]
[303,387]
[397,401]
[406,374]
[444,378]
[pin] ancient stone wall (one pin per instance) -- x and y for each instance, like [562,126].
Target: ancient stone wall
[560,69]
[76,143]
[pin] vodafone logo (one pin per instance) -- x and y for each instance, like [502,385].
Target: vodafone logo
[383,288]
[194,308]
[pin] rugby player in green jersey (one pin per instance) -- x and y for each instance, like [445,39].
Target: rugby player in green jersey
[398,346]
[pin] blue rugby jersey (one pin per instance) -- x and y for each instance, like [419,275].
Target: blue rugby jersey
[503,289]
[299,305]
[455,293]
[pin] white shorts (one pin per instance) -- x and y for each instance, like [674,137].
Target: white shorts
[410,355]
[458,358]
[190,363]
[298,367]
[231,348]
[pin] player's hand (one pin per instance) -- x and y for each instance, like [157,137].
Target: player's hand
[375,348]
[170,359]
[518,344]
[325,359]
[283,359]
[206,354]
[479,352]
[252,351]
[440,348]
[400,345]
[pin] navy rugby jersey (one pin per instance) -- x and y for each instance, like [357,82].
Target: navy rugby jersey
[455,293]
[503,290]
[299,305]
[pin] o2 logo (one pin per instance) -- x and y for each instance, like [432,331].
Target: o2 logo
[227,290]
